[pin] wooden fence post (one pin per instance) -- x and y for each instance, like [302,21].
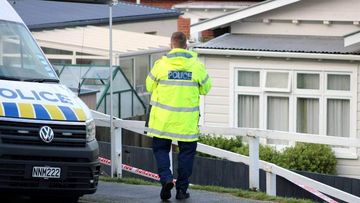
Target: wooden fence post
[270,183]
[254,162]
[118,150]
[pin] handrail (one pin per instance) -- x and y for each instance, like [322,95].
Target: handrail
[282,135]
[269,168]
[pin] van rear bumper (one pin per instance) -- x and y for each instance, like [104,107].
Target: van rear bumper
[80,169]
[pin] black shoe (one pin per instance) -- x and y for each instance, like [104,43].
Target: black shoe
[165,193]
[182,195]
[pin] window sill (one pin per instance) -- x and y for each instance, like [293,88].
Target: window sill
[345,153]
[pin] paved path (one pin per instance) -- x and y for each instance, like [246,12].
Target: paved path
[119,193]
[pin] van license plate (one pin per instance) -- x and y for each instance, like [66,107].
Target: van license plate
[46,172]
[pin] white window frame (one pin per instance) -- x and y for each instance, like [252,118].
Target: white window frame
[248,88]
[272,89]
[337,92]
[308,91]
[294,93]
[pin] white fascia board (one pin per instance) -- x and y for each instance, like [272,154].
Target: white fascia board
[239,14]
[278,54]
[352,39]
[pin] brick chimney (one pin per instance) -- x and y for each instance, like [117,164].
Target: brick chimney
[184,26]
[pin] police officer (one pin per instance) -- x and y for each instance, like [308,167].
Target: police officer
[176,82]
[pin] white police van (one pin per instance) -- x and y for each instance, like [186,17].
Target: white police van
[47,134]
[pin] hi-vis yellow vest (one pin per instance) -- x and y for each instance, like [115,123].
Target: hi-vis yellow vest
[176,82]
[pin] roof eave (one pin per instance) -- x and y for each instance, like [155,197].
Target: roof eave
[271,54]
[239,14]
[104,21]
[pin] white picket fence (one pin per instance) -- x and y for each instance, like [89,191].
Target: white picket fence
[252,160]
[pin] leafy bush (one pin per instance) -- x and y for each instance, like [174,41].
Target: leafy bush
[303,156]
[266,153]
[309,157]
[221,142]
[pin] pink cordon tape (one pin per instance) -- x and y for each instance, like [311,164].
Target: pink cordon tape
[140,172]
[104,161]
[132,169]
[317,193]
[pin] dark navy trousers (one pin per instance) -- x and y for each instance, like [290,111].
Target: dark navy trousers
[161,149]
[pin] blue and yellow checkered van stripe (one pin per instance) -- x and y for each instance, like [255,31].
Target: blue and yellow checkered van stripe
[41,112]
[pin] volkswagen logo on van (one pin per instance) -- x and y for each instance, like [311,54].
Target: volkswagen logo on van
[46,134]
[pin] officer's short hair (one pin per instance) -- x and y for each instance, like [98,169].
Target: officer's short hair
[178,39]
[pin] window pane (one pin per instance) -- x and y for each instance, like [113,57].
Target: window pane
[307,116]
[47,50]
[249,78]
[278,113]
[308,81]
[278,116]
[99,62]
[277,80]
[141,71]
[338,117]
[127,67]
[338,82]
[248,111]
[155,57]
[60,61]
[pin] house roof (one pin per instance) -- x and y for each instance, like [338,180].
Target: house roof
[239,14]
[95,40]
[214,4]
[39,14]
[281,43]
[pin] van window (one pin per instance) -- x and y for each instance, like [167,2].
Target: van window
[20,57]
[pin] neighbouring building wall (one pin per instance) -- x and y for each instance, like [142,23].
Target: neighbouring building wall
[159,27]
[306,17]
[220,106]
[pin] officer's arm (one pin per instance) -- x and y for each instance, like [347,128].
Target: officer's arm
[205,81]
[151,80]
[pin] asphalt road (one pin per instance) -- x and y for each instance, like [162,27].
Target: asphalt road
[119,193]
[126,193]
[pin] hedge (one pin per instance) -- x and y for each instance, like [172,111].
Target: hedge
[302,157]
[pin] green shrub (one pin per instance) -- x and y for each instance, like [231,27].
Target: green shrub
[308,157]
[303,156]
[266,153]
[221,142]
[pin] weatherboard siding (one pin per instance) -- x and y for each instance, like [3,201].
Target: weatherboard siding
[216,103]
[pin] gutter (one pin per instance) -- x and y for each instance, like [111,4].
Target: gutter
[142,52]
[104,21]
[347,57]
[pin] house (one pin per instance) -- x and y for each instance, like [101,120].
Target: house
[197,10]
[41,15]
[289,65]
